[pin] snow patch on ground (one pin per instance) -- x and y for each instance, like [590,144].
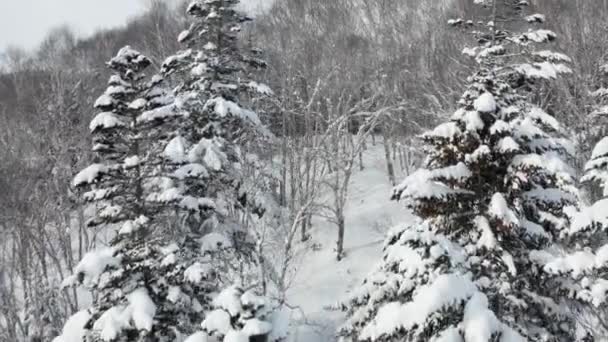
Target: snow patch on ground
[322,281]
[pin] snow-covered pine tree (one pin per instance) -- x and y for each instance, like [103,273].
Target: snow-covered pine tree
[144,287]
[116,182]
[585,255]
[601,94]
[493,193]
[596,170]
[206,149]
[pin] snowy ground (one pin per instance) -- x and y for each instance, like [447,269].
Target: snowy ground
[321,280]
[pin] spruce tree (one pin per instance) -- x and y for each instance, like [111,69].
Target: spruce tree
[210,125]
[492,200]
[596,170]
[206,153]
[145,287]
[166,155]
[586,254]
[600,95]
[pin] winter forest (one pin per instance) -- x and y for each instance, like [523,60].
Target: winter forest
[309,171]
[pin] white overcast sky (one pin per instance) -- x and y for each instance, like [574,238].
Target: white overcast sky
[25,23]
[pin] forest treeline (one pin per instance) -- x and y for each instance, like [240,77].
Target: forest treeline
[344,73]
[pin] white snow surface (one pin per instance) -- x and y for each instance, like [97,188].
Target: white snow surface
[138,104]
[128,53]
[500,126]
[229,300]
[280,320]
[160,113]
[196,272]
[552,162]
[477,155]
[199,69]
[138,314]
[452,334]
[103,101]
[427,183]
[577,263]
[111,323]
[448,130]
[552,56]
[175,151]
[90,174]
[596,294]
[213,159]
[541,116]
[223,108]
[541,36]
[131,162]
[92,265]
[535,230]
[485,103]
[198,337]
[596,214]
[444,291]
[536,18]
[210,46]
[174,294]
[600,149]
[499,209]
[183,35]
[255,327]
[73,330]
[543,70]
[170,259]
[142,309]
[214,242]
[236,336]
[166,196]
[208,151]
[507,144]
[261,88]
[458,172]
[217,321]
[250,298]
[193,170]
[320,280]
[487,238]
[479,322]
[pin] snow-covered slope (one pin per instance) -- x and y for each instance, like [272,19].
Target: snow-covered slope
[321,280]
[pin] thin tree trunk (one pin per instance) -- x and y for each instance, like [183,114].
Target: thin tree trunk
[283,181]
[361,166]
[341,231]
[402,159]
[389,161]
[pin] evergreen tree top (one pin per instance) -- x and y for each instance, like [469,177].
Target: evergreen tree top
[494,198]
[127,59]
[213,52]
[115,180]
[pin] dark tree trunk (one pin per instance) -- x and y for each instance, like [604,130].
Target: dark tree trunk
[340,244]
